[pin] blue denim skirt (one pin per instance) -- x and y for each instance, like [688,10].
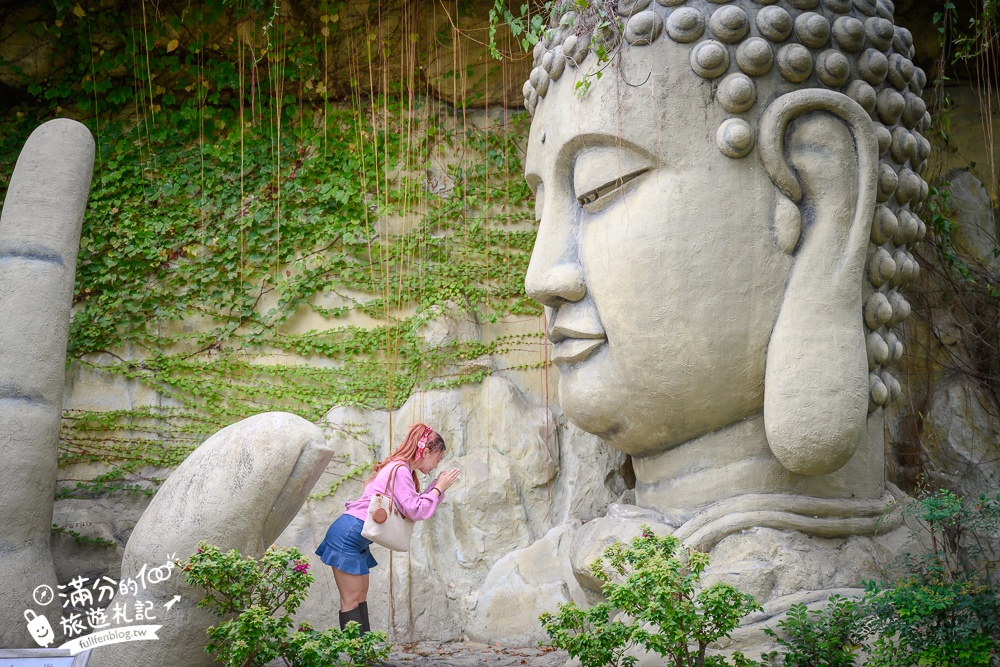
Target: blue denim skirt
[345,549]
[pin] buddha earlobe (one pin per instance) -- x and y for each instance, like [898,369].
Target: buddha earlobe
[820,150]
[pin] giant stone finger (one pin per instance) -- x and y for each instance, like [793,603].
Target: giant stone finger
[39,239]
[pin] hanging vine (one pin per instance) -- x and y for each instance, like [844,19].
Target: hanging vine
[260,236]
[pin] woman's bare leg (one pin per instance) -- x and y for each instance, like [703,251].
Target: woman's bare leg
[353,589]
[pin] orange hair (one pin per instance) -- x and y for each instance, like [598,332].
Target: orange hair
[407,450]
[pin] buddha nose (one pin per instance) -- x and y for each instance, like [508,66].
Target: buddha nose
[555,275]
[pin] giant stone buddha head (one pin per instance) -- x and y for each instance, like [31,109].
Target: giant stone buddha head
[725,223]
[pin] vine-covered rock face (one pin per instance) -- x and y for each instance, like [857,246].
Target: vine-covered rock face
[725,193]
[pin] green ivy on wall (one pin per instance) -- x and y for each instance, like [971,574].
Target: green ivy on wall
[233,196]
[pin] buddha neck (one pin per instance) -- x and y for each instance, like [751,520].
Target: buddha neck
[736,460]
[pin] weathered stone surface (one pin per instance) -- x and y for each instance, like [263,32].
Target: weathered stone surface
[460,69]
[971,120]
[709,296]
[25,56]
[239,490]
[509,498]
[39,238]
[591,476]
[109,518]
[89,388]
[975,230]
[946,431]
[755,379]
[521,586]
[959,438]
[621,524]
[449,324]
[772,564]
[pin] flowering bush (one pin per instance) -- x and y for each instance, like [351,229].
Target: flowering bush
[257,599]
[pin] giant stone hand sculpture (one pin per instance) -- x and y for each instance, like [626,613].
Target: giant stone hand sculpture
[238,490]
[725,224]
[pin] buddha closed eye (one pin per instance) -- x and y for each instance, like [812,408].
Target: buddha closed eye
[592,197]
[601,174]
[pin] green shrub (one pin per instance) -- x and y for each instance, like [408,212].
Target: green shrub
[257,599]
[944,609]
[654,581]
[941,609]
[829,637]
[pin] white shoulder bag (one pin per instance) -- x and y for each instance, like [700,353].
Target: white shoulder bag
[385,524]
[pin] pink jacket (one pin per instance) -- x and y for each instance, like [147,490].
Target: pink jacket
[413,505]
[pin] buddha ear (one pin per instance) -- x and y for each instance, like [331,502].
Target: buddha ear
[820,149]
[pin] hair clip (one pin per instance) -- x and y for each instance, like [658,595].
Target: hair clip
[422,443]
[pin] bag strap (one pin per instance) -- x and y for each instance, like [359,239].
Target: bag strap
[391,485]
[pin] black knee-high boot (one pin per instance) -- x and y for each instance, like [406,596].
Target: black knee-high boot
[353,615]
[366,625]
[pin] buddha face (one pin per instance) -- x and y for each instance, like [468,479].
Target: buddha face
[656,259]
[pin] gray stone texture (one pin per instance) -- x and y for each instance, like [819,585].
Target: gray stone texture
[718,306]
[111,518]
[522,585]
[975,234]
[736,364]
